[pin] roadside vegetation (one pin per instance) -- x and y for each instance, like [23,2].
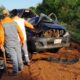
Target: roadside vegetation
[67,11]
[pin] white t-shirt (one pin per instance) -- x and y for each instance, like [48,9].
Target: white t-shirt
[20,22]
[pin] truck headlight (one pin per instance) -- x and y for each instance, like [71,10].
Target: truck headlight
[66,34]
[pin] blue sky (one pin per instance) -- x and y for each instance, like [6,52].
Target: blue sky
[11,4]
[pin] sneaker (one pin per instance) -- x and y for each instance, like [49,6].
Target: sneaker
[19,69]
[27,63]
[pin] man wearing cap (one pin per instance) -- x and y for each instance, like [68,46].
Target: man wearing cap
[11,42]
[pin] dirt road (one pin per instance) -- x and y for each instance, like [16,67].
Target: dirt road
[44,69]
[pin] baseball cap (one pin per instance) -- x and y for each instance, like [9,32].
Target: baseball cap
[5,11]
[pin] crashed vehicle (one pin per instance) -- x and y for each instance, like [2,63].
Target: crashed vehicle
[48,34]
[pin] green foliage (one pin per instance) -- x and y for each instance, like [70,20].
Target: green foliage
[75,35]
[1,9]
[67,11]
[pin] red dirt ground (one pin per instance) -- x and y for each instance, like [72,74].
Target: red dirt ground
[45,70]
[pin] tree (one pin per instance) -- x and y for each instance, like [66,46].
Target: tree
[1,9]
[66,10]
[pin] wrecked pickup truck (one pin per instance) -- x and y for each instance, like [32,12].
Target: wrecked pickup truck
[48,35]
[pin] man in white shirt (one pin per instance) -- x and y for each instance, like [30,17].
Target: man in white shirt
[23,23]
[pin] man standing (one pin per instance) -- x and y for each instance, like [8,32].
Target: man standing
[23,23]
[11,42]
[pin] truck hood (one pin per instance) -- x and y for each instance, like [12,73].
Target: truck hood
[52,26]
